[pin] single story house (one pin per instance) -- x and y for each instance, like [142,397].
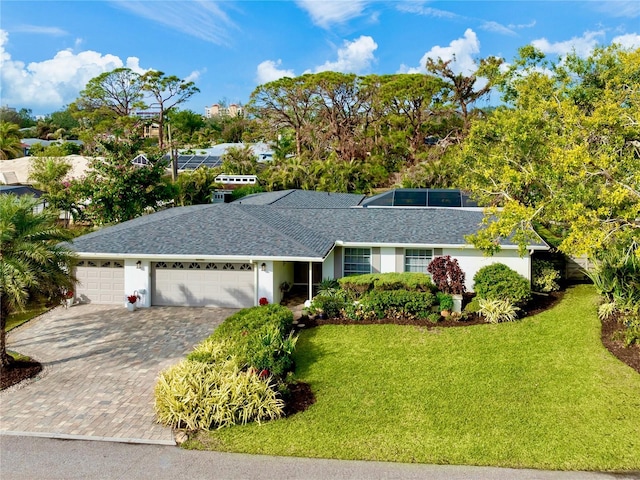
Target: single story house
[233,254]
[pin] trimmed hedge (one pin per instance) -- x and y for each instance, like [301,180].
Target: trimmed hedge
[392,302]
[357,285]
[499,282]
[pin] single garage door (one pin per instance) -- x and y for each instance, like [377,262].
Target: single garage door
[202,284]
[100,281]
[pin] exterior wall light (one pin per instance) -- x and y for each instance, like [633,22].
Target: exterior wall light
[263,267]
[139,265]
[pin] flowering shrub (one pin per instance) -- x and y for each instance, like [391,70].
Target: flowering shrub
[447,275]
[68,294]
[263,301]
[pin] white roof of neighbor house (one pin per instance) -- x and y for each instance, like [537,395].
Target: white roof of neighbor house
[17,170]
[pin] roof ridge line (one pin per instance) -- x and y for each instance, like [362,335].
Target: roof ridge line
[291,221]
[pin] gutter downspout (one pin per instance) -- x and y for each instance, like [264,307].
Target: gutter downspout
[310,281]
[256,285]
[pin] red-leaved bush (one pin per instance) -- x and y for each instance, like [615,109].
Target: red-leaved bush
[447,275]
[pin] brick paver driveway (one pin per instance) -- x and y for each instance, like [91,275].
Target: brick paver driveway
[100,366]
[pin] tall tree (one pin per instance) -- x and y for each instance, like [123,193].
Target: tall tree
[117,190]
[49,174]
[465,90]
[10,144]
[118,91]
[167,92]
[564,151]
[281,104]
[32,259]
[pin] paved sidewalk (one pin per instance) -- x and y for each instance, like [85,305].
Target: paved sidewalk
[100,366]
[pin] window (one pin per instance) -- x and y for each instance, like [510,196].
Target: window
[357,261]
[417,260]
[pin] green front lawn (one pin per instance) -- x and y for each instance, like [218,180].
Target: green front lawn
[539,393]
[18,318]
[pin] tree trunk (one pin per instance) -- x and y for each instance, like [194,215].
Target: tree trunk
[5,359]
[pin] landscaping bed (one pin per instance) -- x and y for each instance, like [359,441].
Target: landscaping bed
[537,393]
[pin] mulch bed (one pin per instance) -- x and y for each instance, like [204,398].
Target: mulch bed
[629,355]
[17,371]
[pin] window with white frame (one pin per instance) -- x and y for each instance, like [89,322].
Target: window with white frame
[417,259]
[357,261]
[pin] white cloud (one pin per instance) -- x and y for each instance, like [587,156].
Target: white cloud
[582,46]
[497,28]
[327,12]
[629,40]
[619,8]
[195,75]
[203,19]
[531,24]
[353,57]
[268,71]
[54,31]
[418,7]
[459,51]
[49,85]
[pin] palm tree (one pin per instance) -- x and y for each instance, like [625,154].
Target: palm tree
[32,258]
[10,144]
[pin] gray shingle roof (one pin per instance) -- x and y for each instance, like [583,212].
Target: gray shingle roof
[303,199]
[271,230]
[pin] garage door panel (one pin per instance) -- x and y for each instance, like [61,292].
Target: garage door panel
[100,281]
[202,284]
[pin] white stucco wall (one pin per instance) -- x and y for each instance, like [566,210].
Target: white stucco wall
[471,260]
[266,280]
[282,272]
[328,266]
[138,280]
[387,259]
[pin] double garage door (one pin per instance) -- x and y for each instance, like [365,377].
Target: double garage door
[202,284]
[100,281]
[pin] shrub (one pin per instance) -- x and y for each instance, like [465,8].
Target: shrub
[434,317]
[331,306]
[616,276]
[473,306]
[412,281]
[447,275]
[496,311]
[545,276]
[445,301]
[499,282]
[328,287]
[408,303]
[271,352]
[357,285]
[358,312]
[199,395]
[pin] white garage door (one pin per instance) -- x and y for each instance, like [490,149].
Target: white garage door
[100,281]
[202,284]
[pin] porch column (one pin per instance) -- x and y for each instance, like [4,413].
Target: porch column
[310,281]
[256,286]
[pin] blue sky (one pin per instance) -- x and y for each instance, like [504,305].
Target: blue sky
[50,49]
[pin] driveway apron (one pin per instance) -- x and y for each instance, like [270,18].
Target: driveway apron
[100,363]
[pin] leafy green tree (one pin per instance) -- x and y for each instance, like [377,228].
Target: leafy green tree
[23,117]
[115,189]
[563,152]
[195,186]
[240,161]
[118,92]
[10,144]
[465,90]
[32,260]
[166,92]
[49,174]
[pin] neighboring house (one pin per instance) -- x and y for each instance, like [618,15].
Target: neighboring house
[20,190]
[232,254]
[212,157]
